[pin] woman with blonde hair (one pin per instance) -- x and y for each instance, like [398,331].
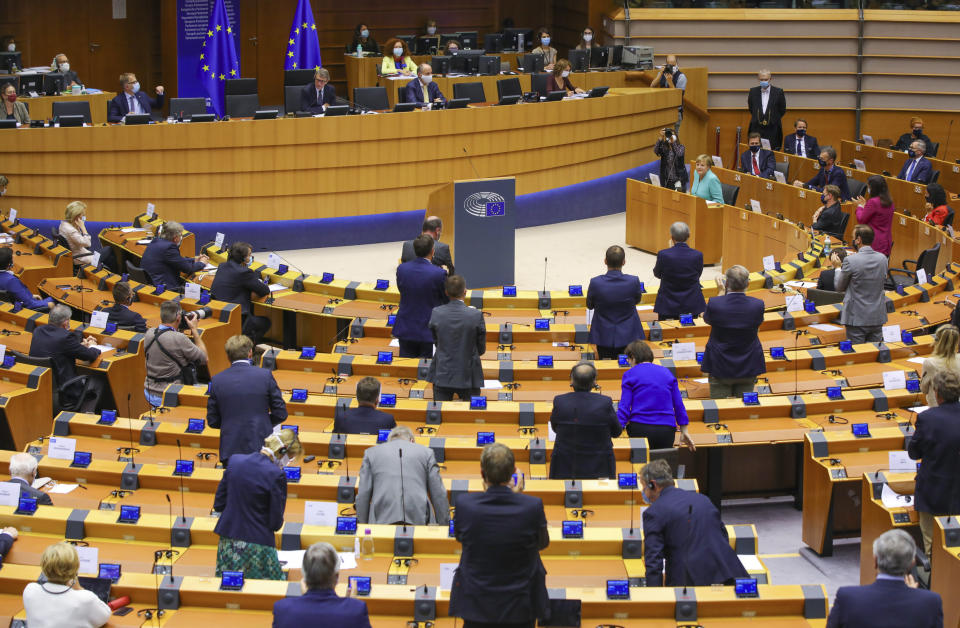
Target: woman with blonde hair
[59,601]
[73,229]
[251,498]
[943,358]
[705,184]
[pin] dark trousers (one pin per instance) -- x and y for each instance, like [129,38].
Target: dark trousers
[255,327]
[482,624]
[441,393]
[415,349]
[658,436]
[609,353]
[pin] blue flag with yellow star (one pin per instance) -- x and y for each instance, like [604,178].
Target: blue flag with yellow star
[219,60]
[303,45]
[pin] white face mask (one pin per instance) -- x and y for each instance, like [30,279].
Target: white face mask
[65,66]
[3,192]
[565,73]
[431,30]
[284,460]
[587,37]
[397,52]
[427,79]
[12,47]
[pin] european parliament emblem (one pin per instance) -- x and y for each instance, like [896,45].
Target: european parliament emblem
[485,204]
[496,209]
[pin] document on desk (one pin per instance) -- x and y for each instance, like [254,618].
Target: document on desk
[63,489]
[892,499]
[750,562]
[210,267]
[917,360]
[89,560]
[291,559]
[894,380]
[394,342]
[103,348]
[131,229]
[492,384]
[145,241]
[801,284]
[446,575]
[348,560]
[900,461]
[825,327]
[320,513]
[644,308]
[277,286]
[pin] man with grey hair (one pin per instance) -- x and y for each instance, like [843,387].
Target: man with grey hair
[917,168]
[767,105]
[585,422]
[733,356]
[55,341]
[679,268]
[168,351]
[399,482]
[893,600]
[321,94]
[162,260]
[321,572]
[937,442]
[23,471]
[861,280]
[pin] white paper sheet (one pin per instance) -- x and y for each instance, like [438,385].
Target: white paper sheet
[921,276]
[145,241]
[644,308]
[89,560]
[900,461]
[589,317]
[779,176]
[859,165]
[191,290]
[917,360]
[131,229]
[151,209]
[801,284]
[12,215]
[825,327]
[750,562]
[98,319]
[276,287]
[794,302]
[103,348]
[219,240]
[655,179]
[891,333]
[702,380]
[9,493]
[684,351]
[717,161]
[755,206]
[892,499]
[768,262]
[894,380]
[492,384]
[868,140]
[292,558]
[551,435]
[319,513]
[395,342]
[446,575]
[63,489]
[61,448]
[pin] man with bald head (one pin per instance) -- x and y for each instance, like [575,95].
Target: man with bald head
[670,76]
[422,89]
[432,226]
[767,105]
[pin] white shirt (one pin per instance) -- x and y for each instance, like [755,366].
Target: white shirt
[801,146]
[764,98]
[133,103]
[59,606]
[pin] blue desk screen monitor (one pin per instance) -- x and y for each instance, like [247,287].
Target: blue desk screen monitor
[686,320]
[627,480]
[509,291]
[129,514]
[298,394]
[913,385]
[541,324]
[383,435]
[388,400]
[110,571]
[346,525]
[183,467]
[484,438]
[478,403]
[108,417]
[622,360]
[382,284]
[810,307]
[195,426]
[292,473]
[642,289]
[834,392]
[294,428]
[777,353]
[699,357]
[81,459]
[860,430]
[111,328]
[751,399]
[26,506]
[618,589]
[384,357]
[308,353]
[451,532]
[907,337]
[231,581]
[846,346]
[360,585]
[545,361]
[575,291]
[326,278]
[573,529]
[746,587]
[391,320]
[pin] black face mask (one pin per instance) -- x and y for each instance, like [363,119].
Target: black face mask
[754,149]
[918,132]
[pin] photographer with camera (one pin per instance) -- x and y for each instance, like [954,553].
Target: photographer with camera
[171,356]
[673,172]
[670,76]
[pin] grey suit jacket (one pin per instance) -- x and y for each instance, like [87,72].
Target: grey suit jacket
[378,490]
[461,338]
[441,254]
[861,279]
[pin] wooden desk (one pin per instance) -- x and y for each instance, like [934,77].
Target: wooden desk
[945,567]
[875,518]
[652,209]
[25,403]
[878,159]
[35,256]
[41,108]
[364,71]
[123,241]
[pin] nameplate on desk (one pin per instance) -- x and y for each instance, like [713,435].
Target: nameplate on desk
[794,303]
[900,461]
[769,263]
[320,513]
[684,351]
[191,290]
[61,448]
[151,210]
[891,333]
[98,319]
[9,493]
[894,380]
[219,240]
[755,206]
[921,276]
[89,560]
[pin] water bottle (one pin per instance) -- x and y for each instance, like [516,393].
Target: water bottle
[366,547]
[826,246]
[359,51]
[356,546]
[520,42]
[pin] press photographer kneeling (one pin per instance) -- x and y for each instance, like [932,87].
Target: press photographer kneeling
[173,357]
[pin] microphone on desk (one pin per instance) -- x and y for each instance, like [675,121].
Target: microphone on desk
[339,337]
[353,106]
[471,163]
[686,571]
[544,274]
[183,507]
[170,539]
[133,460]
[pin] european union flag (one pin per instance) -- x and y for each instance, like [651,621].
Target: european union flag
[303,46]
[219,60]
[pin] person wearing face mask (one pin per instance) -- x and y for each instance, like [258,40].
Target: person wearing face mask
[829,216]
[916,133]
[936,205]
[429,41]
[673,172]
[23,471]
[251,498]
[422,89]
[70,77]
[799,143]
[878,213]
[244,402]
[767,105]
[828,174]
[132,100]
[120,313]
[398,61]
[917,168]
[362,38]
[861,278]
[235,282]
[559,79]
[549,53]
[452,48]
[4,182]
[12,108]
[670,76]
[587,40]
[757,161]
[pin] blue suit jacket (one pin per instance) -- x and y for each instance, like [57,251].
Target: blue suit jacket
[12,284]
[501,578]
[363,420]
[684,529]
[308,98]
[122,315]
[836,177]
[649,394]
[613,298]
[678,269]
[413,92]
[244,404]
[251,498]
[119,107]
[337,612]
[163,263]
[26,490]
[733,349]
[584,422]
[886,604]
[234,283]
[765,160]
[937,441]
[809,143]
[921,173]
[64,348]
[421,289]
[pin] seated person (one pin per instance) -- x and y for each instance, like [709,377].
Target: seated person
[120,313]
[398,59]
[365,418]
[12,284]
[799,143]
[132,100]
[74,230]
[916,126]
[917,168]
[936,206]
[559,79]
[315,98]
[362,38]
[168,351]
[55,340]
[162,260]
[757,161]
[829,174]
[321,572]
[452,47]
[826,279]
[50,603]
[423,89]
[705,184]
[549,53]
[70,77]
[235,283]
[23,471]
[587,41]
[829,217]
[12,109]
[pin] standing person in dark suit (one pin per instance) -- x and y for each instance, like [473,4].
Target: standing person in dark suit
[251,499]
[421,289]
[55,340]
[433,227]
[893,600]
[16,288]
[422,89]
[461,337]
[678,269]
[317,97]
[937,442]
[132,100]
[244,403]
[767,105]
[23,471]
[916,133]
[829,174]
[234,282]
[365,418]
[683,529]
[321,572]
[613,297]
[757,161]
[827,278]
[650,405]
[861,278]
[162,260]
[733,356]
[120,313]
[500,580]
[917,168]
[799,143]
[584,423]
